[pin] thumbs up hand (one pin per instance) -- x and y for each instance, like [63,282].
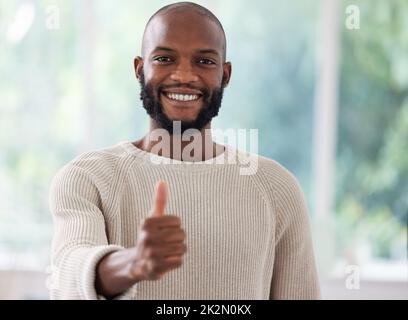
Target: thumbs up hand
[160,200]
[160,244]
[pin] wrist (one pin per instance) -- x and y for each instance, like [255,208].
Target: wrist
[134,271]
[114,273]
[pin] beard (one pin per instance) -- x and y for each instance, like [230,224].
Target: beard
[154,108]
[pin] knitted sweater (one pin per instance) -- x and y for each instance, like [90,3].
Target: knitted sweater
[247,235]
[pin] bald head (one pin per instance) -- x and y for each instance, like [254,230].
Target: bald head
[187,13]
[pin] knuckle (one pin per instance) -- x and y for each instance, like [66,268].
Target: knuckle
[167,235]
[157,267]
[142,237]
[153,267]
[146,220]
[150,253]
[155,276]
[174,218]
[178,262]
[146,223]
[145,239]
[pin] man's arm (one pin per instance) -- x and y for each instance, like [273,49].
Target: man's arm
[294,272]
[84,265]
[79,240]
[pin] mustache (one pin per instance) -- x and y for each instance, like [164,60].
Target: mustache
[204,91]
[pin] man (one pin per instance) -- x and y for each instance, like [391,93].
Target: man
[204,231]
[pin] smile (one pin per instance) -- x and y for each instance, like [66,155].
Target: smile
[181,97]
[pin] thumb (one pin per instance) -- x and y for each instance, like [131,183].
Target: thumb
[160,199]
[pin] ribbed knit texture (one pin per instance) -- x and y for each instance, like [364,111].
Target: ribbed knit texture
[248,236]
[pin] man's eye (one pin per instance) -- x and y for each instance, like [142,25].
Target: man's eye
[205,61]
[163,59]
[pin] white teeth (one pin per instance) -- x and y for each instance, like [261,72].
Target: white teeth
[182,97]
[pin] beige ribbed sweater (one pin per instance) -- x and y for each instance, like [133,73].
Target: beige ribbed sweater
[248,236]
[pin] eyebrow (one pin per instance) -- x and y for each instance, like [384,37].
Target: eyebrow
[162,49]
[201,51]
[210,51]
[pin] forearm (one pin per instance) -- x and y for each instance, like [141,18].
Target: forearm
[114,275]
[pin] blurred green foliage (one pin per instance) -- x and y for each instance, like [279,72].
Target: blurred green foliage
[49,111]
[372,152]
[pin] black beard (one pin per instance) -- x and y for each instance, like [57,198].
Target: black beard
[154,108]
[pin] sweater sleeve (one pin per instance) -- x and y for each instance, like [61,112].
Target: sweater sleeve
[79,240]
[294,275]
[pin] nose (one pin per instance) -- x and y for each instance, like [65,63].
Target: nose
[184,73]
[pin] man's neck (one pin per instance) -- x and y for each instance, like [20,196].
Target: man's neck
[198,147]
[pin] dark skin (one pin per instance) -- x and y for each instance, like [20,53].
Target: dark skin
[183,48]
[178,48]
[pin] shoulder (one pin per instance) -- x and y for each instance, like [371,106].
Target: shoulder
[281,187]
[101,159]
[98,166]
[274,177]
[281,178]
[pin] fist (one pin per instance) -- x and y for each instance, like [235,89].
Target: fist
[160,244]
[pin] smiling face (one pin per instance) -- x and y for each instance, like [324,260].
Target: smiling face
[183,70]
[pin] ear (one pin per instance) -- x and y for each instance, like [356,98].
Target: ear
[227,73]
[138,64]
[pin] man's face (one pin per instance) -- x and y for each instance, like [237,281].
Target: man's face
[182,73]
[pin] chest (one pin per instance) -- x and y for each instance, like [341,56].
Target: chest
[217,213]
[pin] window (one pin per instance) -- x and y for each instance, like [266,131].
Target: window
[67,86]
